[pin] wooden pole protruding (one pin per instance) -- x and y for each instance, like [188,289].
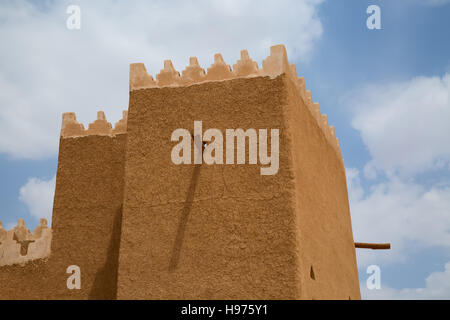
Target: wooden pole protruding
[373,246]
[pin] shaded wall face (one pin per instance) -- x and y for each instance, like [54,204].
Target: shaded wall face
[87,213]
[86,225]
[206,231]
[327,255]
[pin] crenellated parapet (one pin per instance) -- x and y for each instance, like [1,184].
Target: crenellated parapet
[275,64]
[19,245]
[245,66]
[321,119]
[72,128]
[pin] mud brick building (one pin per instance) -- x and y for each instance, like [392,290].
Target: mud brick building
[141,227]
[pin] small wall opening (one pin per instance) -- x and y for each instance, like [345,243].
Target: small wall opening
[23,245]
[311,273]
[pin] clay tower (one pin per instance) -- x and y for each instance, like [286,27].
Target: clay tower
[225,231]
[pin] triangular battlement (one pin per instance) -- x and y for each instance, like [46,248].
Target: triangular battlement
[72,128]
[274,65]
[19,245]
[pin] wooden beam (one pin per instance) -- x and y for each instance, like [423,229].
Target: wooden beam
[373,246]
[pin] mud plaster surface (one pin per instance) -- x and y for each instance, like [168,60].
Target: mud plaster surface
[86,225]
[225,231]
[220,231]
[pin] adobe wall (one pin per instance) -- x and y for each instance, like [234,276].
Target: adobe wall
[195,231]
[19,245]
[225,231]
[23,261]
[86,218]
[29,281]
[327,250]
[205,231]
[87,213]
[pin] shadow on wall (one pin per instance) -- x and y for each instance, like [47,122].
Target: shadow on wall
[184,219]
[105,283]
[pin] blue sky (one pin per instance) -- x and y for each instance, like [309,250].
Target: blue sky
[385,91]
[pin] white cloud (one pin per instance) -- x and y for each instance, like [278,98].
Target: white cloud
[402,213]
[370,171]
[405,126]
[437,286]
[46,69]
[355,191]
[38,196]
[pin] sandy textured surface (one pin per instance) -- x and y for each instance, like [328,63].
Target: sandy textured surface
[141,227]
[225,231]
[86,225]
